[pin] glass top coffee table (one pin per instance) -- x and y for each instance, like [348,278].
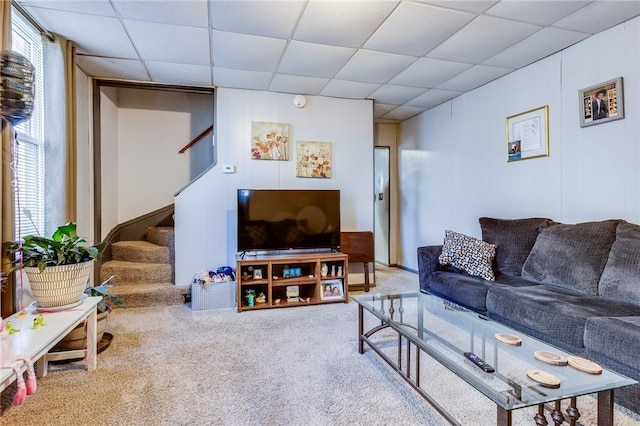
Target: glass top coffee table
[445,331]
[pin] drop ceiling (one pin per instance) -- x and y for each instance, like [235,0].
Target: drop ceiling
[408,56]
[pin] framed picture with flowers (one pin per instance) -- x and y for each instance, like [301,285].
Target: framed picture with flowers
[270,141]
[313,159]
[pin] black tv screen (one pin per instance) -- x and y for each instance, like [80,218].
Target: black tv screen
[270,219]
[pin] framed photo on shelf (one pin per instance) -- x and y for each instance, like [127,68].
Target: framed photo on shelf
[331,290]
[257,274]
[528,134]
[601,103]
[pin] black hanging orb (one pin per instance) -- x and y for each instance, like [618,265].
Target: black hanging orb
[16,87]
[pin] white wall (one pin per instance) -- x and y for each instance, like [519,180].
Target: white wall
[206,210]
[452,159]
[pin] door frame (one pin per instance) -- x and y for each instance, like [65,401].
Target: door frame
[375,195]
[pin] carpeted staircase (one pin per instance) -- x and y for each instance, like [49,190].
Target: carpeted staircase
[144,270]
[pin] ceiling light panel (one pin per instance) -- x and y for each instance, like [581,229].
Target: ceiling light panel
[474,6]
[474,77]
[428,72]
[170,43]
[541,12]
[374,67]
[193,75]
[95,35]
[261,18]
[97,7]
[345,23]
[246,52]
[297,84]
[599,16]
[191,13]
[125,69]
[397,95]
[241,79]
[482,38]
[349,89]
[540,45]
[415,29]
[433,97]
[314,60]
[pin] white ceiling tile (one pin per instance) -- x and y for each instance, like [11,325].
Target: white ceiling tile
[241,79]
[390,94]
[193,75]
[403,113]
[433,97]
[297,84]
[428,72]
[346,23]
[95,35]
[474,6]
[192,13]
[374,67]
[261,18]
[474,77]
[125,69]
[96,7]
[381,109]
[315,60]
[482,38]
[349,89]
[246,52]
[415,29]
[541,12]
[540,45]
[599,16]
[170,43]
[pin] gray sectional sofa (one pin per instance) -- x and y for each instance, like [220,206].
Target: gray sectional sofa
[576,287]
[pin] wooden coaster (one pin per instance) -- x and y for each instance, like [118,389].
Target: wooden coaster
[545,379]
[509,339]
[550,358]
[584,364]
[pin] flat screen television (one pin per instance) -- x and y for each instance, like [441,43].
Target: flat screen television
[277,219]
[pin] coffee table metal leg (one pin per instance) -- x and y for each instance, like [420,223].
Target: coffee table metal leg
[540,418]
[573,412]
[504,417]
[605,408]
[360,329]
[556,414]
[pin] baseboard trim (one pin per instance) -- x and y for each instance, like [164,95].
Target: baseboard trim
[407,269]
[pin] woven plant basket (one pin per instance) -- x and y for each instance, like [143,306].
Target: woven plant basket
[59,285]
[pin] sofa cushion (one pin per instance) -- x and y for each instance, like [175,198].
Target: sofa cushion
[467,290]
[514,240]
[553,311]
[620,279]
[571,256]
[617,338]
[472,255]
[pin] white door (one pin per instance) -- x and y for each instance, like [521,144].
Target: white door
[381,172]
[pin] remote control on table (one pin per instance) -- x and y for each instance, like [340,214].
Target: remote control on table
[479,362]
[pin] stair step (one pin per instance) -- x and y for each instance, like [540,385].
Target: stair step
[133,273]
[140,251]
[161,235]
[143,295]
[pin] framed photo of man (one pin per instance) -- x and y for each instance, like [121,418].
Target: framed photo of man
[601,103]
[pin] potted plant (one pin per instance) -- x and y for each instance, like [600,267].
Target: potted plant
[58,267]
[77,339]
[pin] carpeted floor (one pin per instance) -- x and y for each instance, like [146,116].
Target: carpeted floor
[299,366]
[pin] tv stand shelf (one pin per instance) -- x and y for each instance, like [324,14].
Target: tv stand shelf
[265,275]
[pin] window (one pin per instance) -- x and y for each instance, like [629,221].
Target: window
[30,149]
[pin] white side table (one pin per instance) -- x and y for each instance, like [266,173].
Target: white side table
[34,344]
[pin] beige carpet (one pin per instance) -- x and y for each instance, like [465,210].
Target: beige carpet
[299,366]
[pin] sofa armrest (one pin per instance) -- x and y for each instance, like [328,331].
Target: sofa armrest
[428,264]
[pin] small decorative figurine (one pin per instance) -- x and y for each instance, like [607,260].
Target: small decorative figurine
[324,271]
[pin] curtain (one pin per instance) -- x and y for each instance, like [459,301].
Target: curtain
[6,213]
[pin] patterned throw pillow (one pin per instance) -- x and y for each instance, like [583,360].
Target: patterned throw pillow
[472,255]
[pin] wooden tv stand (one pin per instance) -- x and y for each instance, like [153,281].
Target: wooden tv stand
[271,275]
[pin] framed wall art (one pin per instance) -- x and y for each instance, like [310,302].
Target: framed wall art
[270,141]
[313,159]
[528,134]
[601,103]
